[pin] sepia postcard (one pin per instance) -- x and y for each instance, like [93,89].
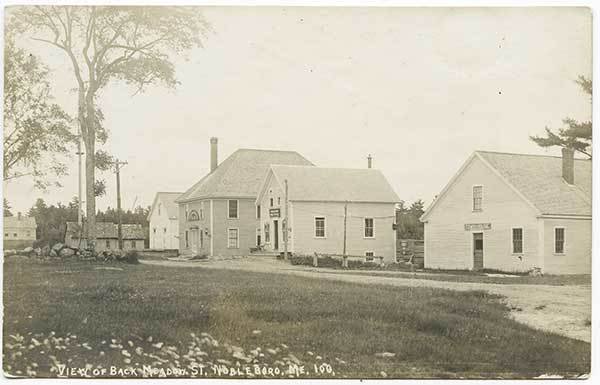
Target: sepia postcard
[297,192]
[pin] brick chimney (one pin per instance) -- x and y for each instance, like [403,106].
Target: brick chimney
[214,160]
[369,161]
[19,217]
[568,165]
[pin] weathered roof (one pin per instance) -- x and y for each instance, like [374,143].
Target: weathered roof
[539,179]
[241,174]
[335,184]
[108,230]
[168,200]
[22,223]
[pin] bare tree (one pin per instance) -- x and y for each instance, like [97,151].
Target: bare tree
[107,43]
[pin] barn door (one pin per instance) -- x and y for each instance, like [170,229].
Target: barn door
[477,251]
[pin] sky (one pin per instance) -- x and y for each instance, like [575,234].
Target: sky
[418,88]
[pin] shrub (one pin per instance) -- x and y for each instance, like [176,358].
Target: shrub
[131,257]
[199,256]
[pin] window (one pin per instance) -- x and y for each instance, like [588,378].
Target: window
[108,243]
[232,238]
[15,235]
[477,198]
[154,230]
[369,228]
[517,240]
[271,201]
[279,201]
[258,211]
[232,209]
[187,240]
[165,230]
[193,216]
[267,233]
[559,240]
[369,255]
[202,210]
[159,206]
[5,235]
[133,244]
[187,208]
[320,227]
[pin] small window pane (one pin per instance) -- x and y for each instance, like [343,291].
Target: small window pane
[477,198]
[369,227]
[559,240]
[267,232]
[232,238]
[320,227]
[517,239]
[233,209]
[369,255]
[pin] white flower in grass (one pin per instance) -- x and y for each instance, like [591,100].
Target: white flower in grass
[101,353]
[125,353]
[158,345]
[130,343]
[149,339]
[127,361]
[138,351]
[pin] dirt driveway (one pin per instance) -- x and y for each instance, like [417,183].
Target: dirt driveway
[564,310]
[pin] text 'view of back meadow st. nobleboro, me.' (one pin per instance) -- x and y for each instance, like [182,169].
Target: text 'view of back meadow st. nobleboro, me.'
[297,192]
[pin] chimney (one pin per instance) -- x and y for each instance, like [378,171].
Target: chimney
[568,165]
[19,216]
[369,161]
[214,162]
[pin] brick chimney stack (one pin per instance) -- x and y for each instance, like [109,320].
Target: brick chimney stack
[568,165]
[369,161]
[214,160]
[19,217]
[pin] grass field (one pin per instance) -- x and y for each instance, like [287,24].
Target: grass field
[79,314]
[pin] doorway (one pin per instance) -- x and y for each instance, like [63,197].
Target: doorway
[275,235]
[477,251]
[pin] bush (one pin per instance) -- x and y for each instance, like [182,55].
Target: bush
[199,256]
[328,261]
[131,257]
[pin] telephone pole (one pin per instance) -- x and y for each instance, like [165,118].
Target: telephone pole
[118,165]
[344,256]
[285,226]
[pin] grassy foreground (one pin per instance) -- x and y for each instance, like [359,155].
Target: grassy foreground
[83,314]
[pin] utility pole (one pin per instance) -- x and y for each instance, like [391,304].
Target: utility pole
[285,226]
[118,165]
[344,256]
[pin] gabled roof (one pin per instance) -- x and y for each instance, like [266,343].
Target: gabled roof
[168,200]
[538,180]
[108,230]
[240,175]
[334,184]
[22,223]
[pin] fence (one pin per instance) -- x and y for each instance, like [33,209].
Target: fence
[410,250]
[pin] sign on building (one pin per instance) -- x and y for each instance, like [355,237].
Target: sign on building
[477,226]
[274,213]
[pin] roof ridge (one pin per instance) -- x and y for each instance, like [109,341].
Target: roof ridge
[324,168]
[521,154]
[265,150]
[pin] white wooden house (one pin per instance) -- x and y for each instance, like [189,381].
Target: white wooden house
[513,212]
[324,204]
[164,221]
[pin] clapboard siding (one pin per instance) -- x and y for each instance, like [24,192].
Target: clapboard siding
[159,238]
[449,246]
[577,257]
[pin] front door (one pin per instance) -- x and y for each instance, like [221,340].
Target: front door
[477,251]
[194,234]
[275,235]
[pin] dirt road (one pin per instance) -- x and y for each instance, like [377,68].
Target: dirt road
[564,310]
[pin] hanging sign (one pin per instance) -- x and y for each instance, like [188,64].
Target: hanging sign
[274,213]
